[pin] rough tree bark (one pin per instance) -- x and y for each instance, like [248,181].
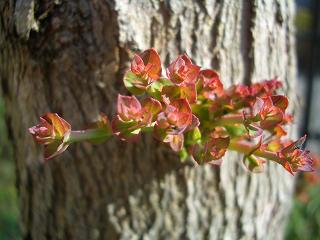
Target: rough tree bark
[69,56]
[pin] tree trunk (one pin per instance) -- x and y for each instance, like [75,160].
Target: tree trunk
[69,56]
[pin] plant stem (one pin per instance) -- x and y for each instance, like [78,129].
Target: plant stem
[229,120]
[225,110]
[88,135]
[246,148]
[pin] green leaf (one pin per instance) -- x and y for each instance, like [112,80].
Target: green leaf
[155,89]
[149,128]
[193,136]
[236,131]
[126,127]
[201,111]
[253,164]
[183,154]
[131,81]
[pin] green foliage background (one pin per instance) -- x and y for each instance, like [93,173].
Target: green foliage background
[9,227]
[304,221]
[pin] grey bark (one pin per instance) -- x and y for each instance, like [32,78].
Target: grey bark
[68,57]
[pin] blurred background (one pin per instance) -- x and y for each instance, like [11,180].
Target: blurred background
[304,222]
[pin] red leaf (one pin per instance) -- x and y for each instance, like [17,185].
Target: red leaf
[176,142]
[51,128]
[215,148]
[294,159]
[152,107]
[129,108]
[181,71]
[179,113]
[147,65]
[280,101]
[211,84]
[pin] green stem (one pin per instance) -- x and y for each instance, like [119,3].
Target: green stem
[225,111]
[229,120]
[246,148]
[232,119]
[97,134]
